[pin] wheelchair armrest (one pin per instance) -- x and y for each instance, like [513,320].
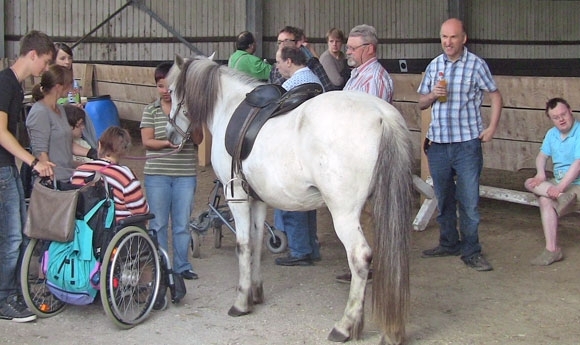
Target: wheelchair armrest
[137,219]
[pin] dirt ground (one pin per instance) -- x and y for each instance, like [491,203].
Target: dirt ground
[450,304]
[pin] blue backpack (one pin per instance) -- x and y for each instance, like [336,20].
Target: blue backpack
[70,266]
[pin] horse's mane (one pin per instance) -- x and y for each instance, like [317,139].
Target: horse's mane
[199,86]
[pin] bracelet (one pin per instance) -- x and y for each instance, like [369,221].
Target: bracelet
[33,163]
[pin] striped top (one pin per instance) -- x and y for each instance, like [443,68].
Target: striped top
[127,193]
[372,78]
[182,163]
[458,119]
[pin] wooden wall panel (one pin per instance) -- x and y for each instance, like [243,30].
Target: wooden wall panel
[533,92]
[405,27]
[536,20]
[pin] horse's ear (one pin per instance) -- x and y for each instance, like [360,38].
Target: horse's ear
[178,61]
[211,57]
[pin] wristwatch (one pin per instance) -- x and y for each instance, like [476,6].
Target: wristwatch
[33,163]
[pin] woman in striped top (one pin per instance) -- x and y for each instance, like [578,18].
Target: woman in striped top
[127,192]
[170,180]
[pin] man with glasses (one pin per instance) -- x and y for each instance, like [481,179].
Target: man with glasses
[291,36]
[371,77]
[368,74]
[557,196]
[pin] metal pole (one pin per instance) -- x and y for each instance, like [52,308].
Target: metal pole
[142,6]
[129,3]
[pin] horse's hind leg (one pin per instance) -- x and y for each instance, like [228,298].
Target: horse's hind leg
[359,256]
[244,300]
[258,211]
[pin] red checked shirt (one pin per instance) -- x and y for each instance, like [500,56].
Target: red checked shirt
[372,78]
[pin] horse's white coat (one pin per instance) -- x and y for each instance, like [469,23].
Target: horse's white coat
[322,153]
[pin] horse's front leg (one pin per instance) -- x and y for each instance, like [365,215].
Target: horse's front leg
[258,212]
[359,256]
[244,300]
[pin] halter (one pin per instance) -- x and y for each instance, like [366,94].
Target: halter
[186,135]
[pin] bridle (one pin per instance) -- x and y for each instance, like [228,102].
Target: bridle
[184,134]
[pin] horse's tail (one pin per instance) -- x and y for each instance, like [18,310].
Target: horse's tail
[392,215]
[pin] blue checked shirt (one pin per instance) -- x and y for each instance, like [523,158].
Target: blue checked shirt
[458,119]
[301,76]
[315,66]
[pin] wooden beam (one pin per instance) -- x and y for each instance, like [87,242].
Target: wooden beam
[255,22]
[125,74]
[127,93]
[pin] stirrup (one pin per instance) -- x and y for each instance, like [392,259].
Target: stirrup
[230,185]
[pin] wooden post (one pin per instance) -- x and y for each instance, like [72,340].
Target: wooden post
[204,149]
[87,82]
[425,121]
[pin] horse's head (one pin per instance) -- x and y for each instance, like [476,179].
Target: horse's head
[178,125]
[193,84]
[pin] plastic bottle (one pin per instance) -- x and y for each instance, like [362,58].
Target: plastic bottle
[442,82]
[74,96]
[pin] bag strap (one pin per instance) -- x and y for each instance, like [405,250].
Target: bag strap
[93,210]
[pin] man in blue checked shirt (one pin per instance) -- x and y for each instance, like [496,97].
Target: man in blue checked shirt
[299,226]
[453,143]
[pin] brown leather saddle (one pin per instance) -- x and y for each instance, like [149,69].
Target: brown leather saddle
[260,105]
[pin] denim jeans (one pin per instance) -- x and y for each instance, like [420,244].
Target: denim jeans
[172,196]
[300,228]
[455,169]
[12,218]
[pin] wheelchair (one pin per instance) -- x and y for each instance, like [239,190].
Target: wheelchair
[134,276]
[219,214]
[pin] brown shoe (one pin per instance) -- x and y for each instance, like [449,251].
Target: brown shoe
[547,258]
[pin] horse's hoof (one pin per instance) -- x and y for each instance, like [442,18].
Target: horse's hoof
[236,312]
[387,341]
[337,337]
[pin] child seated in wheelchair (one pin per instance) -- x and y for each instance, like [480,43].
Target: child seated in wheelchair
[127,192]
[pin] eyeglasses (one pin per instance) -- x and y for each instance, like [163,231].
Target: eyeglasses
[286,40]
[558,117]
[355,48]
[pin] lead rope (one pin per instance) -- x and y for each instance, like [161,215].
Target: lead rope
[141,158]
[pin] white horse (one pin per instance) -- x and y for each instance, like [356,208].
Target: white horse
[337,149]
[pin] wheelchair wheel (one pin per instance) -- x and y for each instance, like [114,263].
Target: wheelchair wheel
[195,243]
[36,294]
[130,277]
[217,236]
